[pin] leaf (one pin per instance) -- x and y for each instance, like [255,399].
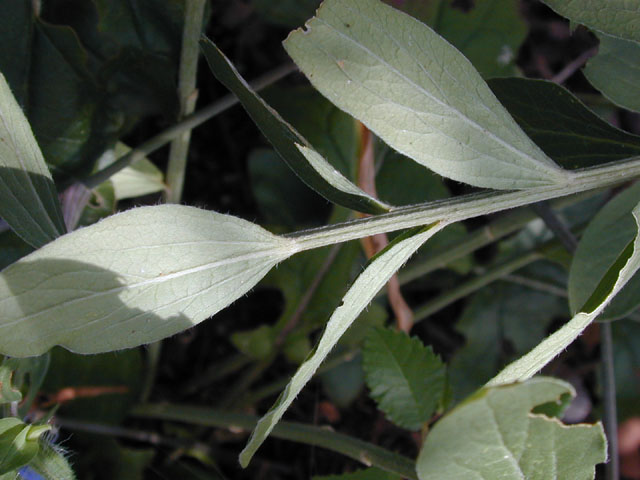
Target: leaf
[626,362]
[615,278]
[288,13]
[604,239]
[309,165]
[489,34]
[140,178]
[8,393]
[619,18]
[372,279]
[418,94]
[503,439]
[28,198]
[615,71]
[133,278]
[557,121]
[18,443]
[498,314]
[371,473]
[49,463]
[407,380]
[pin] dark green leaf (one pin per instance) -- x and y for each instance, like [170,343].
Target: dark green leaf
[407,380]
[289,13]
[308,164]
[561,124]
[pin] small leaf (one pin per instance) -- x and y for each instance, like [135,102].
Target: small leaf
[309,165]
[28,198]
[365,287]
[604,239]
[561,124]
[493,434]
[8,393]
[18,443]
[620,18]
[615,71]
[133,278]
[49,463]
[407,380]
[616,277]
[417,93]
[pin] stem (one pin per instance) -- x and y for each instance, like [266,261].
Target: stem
[610,415]
[187,94]
[473,285]
[189,123]
[364,452]
[465,207]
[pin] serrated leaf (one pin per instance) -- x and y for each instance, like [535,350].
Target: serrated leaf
[28,197]
[612,282]
[133,278]
[615,71]
[604,239]
[620,18]
[363,290]
[308,164]
[493,434]
[561,124]
[18,443]
[417,93]
[407,380]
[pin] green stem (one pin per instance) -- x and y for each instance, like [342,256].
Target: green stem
[187,95]
[465,207]
[364,452]
[189,123]
[610,415]
[473,285]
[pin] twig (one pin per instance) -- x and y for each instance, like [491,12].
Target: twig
[571,67]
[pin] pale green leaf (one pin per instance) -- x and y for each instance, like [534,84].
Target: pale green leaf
[615,71]
[309,165]
[363,290]
[28,198]
[140,178]
[18,443]
[133,278]
[606,236]
[494,435]
[620,18]
[615,278]
[8,392]
[50,463]
[417,93]
[407,380]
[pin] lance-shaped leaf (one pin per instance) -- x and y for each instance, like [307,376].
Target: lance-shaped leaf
[613,280]
[615,71]
[309,165]
[561,124]
[28,198]
[18,443]
[494,434]
[417,93]
[133,278]
[620,18]
[363,290]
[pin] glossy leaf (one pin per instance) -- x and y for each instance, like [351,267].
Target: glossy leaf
[602,242]
[18,443]
[620,18]
[493,434]
[557,121]
[417,93]
[372,279]
[407,380]
[308,164]
[133,278]
[28,198]
[615,71]
[612,282]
